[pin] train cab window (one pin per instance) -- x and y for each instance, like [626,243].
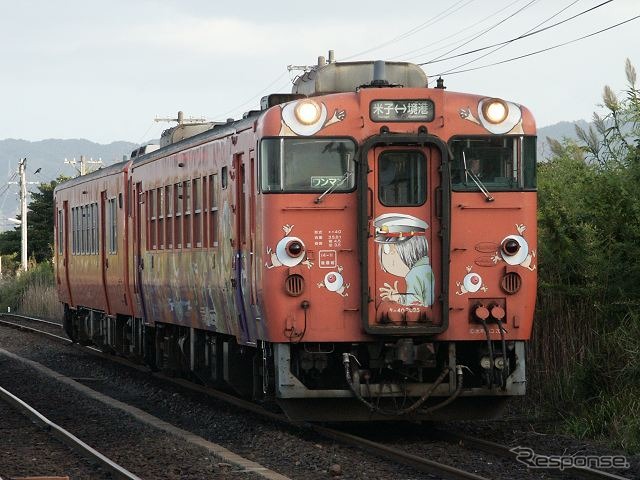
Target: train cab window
[307,165]
[495,163]
[402,178]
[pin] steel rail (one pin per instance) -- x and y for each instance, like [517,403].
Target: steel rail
[419,463]
[66,437]
[504,451]
[35,319]
[34,330]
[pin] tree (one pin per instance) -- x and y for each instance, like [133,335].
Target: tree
[40,222]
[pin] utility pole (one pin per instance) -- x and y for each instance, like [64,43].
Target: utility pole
[83,164]
[22,166]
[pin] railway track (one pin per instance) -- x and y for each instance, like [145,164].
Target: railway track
[397,455]
[467,441]
[66,437]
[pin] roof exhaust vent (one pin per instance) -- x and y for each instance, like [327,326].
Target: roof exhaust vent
[379,74]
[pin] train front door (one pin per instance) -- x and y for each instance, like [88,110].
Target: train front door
[404,244]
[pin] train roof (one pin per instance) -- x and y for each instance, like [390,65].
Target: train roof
[217,131]
[113,169]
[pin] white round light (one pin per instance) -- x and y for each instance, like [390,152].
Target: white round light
[495,111]
[307,112]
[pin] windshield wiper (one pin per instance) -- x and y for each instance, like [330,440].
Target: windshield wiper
[333,187]
[468,173]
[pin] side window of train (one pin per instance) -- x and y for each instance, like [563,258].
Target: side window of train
[496,162]
[177,219]
[60,232]
[112,226]
[213,210]
[223,178]
[160,216]
[168,216]
[197,192]
[73,231]
[151,217]
[402,178]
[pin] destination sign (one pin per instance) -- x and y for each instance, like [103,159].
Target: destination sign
[402,111]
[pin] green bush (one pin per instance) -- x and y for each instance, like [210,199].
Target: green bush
[585,352]
[31,293]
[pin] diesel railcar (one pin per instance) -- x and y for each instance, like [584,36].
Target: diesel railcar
[363,248]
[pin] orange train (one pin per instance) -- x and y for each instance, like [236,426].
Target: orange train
[363,248]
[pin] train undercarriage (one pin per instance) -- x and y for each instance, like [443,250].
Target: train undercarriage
[396,378]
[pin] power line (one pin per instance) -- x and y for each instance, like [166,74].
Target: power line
[527,34]
[440,16]
[479,22]
[253,97]
[281,87]
[488,29]
[530,54]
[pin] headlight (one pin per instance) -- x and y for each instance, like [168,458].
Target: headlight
[307,112]
[295,248]
[290,251]
[514,249]
[495,110]
[510,246]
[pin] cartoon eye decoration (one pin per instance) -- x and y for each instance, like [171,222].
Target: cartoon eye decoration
[497,115]
[333,281]
[290,251]
[304,117]
[472,282]
[514,249]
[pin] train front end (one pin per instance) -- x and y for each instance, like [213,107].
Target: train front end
[398,231]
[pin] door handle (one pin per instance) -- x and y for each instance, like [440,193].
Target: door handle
[438,202]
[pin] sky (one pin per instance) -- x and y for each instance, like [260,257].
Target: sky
[104,70]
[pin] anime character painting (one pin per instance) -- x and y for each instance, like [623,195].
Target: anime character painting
[403,251]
